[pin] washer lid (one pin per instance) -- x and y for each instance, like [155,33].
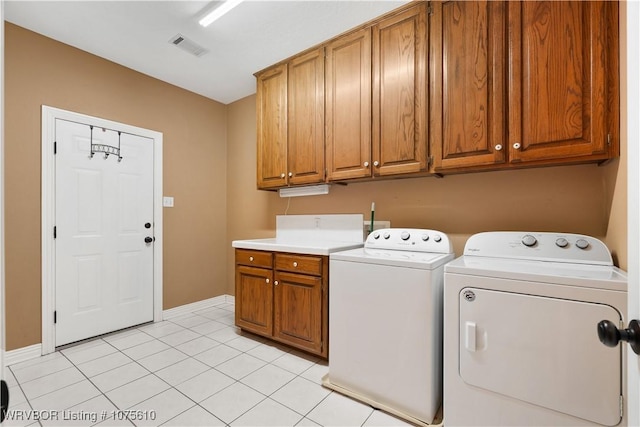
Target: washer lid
[419,260]
[592,276]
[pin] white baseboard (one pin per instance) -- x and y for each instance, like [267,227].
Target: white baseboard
[22,354]
[195,306]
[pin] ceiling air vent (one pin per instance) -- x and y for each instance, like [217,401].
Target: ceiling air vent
[188,45]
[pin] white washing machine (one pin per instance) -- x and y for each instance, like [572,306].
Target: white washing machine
[385,321]
[520,332]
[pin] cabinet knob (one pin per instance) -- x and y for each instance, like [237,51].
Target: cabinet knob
[376,163]
[267,280]
[290,174]
[251,258]
[498,147]
[516,146]
[366,164]
[282,175]
[275,282]
[295,264]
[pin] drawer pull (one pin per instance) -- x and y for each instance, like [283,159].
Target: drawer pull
[251,258]
[266,280]
[295,264]
[275,282]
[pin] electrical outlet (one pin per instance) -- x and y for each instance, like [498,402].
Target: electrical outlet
[167,202]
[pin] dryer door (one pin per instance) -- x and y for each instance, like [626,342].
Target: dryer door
[541,350]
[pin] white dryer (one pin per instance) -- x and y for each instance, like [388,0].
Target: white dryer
[520,332]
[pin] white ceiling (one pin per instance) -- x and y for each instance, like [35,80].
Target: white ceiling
[249,38]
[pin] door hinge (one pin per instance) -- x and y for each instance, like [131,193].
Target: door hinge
[55,148]
[621,406]
[55,317]
[55,231]
[608,139]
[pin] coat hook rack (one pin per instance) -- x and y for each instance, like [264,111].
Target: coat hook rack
[105,148]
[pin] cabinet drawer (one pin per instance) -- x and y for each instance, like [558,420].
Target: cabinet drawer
[299,263]
[254,258]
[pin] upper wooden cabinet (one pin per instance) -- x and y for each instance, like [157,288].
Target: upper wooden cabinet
[468,82]
[271,120]
[560,52]
[445,87]
[348,107]
[306,118]
[290,120]
[399,129]
[522,83]
[377,98]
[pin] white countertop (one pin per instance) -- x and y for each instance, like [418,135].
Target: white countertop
[298,247]
[311,234]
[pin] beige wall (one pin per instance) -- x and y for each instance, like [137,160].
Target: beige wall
[41,71]
[210,169]
[574,199]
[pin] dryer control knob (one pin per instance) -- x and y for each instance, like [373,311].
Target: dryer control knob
[376,235]
[529,240]
[610,335]
[405,235]
[562,242]
[582,243]
[425,237]
[386,235]
[437,238]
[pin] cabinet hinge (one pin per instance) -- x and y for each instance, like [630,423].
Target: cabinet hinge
[55,317]
[429,160]
[430,10]
[55,231]
[55,148]
[608,139]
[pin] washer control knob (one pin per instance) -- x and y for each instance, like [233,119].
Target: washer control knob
[405,235]
[376,235]
[582,243]
[529,240]
[425,237]
[437,238]
[561,242]
[386,235]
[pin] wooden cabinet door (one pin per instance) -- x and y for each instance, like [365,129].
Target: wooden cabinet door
[271,118]
[254,299]
[298,311]
[348,106]
[557,75]
[306,118]
[468,83]
[399,128]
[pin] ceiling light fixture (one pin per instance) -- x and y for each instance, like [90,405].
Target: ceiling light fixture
[216,13]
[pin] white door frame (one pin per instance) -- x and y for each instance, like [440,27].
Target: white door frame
[630,32]
[49,116]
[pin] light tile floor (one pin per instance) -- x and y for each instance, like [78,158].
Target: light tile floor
[193,370]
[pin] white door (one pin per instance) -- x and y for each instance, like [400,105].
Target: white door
[103,214]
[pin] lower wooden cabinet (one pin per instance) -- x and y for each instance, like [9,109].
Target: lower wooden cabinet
[284,297]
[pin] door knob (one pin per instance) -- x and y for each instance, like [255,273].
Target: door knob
[148,239]
[147,225]
[610,335]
